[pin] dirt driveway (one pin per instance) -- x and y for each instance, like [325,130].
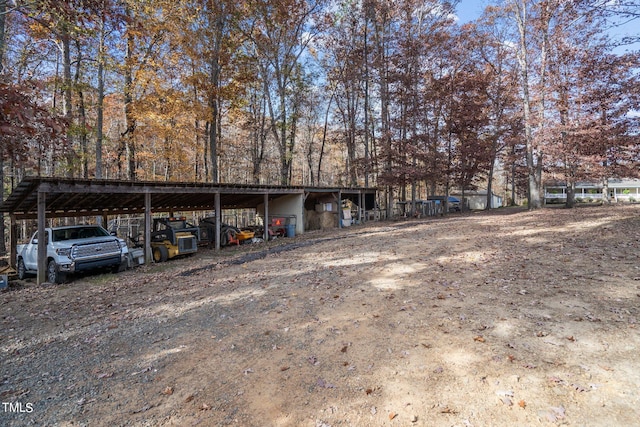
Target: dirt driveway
[509,318]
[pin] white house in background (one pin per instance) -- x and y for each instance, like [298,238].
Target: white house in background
[619,190]
[477,199]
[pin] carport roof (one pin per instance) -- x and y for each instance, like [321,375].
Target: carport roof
[85,197]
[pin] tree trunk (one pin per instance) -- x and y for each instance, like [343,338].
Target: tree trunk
[3,247]
[214,103]
[127,140]
[100,106]
[366,95]
[3,10]
[534,170]
[82,115]
[605,191]
[213,138]
[489,204]
[3,15]
[324,138]
[67,92]
[571,194]
[258,133]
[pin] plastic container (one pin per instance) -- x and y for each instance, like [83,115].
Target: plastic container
[291,230]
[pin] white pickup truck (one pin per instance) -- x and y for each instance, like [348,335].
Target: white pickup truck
[71,249]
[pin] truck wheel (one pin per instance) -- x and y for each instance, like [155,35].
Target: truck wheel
[53,275]
[22,269]
[160,254]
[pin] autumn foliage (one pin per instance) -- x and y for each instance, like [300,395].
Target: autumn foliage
[397,95]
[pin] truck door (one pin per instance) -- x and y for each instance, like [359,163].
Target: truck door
[30,255]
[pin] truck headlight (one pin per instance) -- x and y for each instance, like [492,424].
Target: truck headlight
[123,246]
[64,252]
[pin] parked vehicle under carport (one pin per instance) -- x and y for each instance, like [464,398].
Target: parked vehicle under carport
[228,233]
[72,249]
[455,205]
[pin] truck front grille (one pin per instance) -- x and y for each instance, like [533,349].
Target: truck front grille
[93,250]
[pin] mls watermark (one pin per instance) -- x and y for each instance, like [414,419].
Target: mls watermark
[17,407]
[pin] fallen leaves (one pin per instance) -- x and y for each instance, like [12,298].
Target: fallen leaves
[105,375]
[552,414]
[323,384]
[317,359]
[147,369]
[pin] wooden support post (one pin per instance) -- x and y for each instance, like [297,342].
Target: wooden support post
[218,220]
[13,241]
[266,217]
[42,238]
[148,254]
[339,208]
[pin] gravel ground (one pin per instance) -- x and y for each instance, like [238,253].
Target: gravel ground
[503,318]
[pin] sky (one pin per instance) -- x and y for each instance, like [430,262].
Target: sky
[469,10]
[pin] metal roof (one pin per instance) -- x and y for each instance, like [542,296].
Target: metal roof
[80,197]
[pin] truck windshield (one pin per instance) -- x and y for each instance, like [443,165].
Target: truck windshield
[78,233]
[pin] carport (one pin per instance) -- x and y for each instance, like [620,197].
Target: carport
[44,197]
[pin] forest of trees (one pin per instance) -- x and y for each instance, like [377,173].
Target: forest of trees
[394,94]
